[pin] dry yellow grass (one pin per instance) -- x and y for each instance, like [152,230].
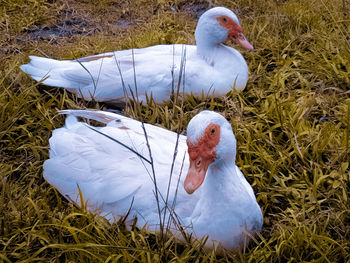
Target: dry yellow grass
[292,124]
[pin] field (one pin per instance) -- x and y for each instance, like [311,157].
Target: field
[292,124]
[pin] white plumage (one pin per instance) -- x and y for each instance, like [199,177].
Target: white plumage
[209,66]
[112,177]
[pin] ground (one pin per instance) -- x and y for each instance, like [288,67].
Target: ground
[292,124]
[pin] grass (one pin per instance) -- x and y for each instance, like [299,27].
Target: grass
[292,124]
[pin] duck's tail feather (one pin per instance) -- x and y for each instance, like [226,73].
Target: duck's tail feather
[47,70]
[100,116]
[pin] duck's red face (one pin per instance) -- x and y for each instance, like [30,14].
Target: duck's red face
[202,153]
[235,32]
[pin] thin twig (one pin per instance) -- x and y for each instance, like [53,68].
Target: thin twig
[171,174]
[134,68]
[126,97]
[154,180]
[92,78]
[122,144]
[174,200]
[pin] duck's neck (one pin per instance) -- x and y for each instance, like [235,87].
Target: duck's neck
[221,179]
[207,52]
[206,47]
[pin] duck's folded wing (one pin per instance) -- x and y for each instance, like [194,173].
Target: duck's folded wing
[114,75]
[127,73]
[108,174]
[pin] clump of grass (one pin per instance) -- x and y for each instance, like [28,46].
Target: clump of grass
[292,124]
[20,15]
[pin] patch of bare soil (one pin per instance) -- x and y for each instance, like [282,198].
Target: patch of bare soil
[74,20]
[196,9]
[86,18]
[69,21]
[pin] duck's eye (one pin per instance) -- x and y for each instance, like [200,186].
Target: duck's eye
[224,19]
[212,131]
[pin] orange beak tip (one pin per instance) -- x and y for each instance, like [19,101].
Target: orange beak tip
[245,44]
[189,191]
[189,187]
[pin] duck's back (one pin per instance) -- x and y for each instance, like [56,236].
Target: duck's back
[156,70]
[110,176]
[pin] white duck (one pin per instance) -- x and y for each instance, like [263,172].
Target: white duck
[214,199]
[207,67]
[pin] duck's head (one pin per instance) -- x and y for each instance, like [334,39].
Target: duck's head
[218,25]
[210,142]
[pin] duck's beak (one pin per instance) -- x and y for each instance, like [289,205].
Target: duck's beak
[196,173]
[241,40]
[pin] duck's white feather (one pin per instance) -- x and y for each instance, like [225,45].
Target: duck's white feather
[209,68]
[108,174]
[112,177]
